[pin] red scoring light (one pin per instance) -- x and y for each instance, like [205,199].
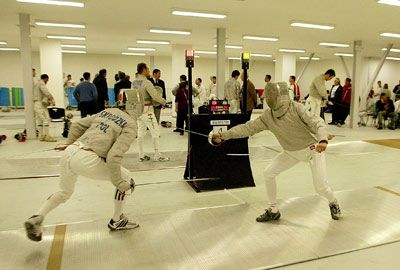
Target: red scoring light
[189,53]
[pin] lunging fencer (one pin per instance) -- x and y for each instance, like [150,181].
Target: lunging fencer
[302,136]
[148,120]
[94,149]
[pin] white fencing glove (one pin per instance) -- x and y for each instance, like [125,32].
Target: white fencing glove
[215,139]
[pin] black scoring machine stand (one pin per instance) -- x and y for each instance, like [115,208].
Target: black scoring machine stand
[210,167]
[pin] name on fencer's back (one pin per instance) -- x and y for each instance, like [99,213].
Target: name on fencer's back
[137,84]
[118,120]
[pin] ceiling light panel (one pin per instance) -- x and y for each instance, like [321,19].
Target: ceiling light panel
[344,54]
[261,55]
[390,2]
[312,26]
[157,42]
[133,54]
[335,45]
[66,37]
[172,32]
[8,49]
[292,50]
[141,49]
[392,50]
[205,52]
[208,15]
[73,46]
[53,2]
[231,46]
[393,35]
[3,43]
[65,25]
[69,51]
[258,38]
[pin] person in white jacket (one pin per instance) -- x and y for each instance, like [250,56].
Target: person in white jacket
[94,149]
[42,100]
[318,92]
[232,91]
[148,119]
[303,137]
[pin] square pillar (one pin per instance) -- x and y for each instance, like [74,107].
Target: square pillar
[356,83]
[285,66]
[221,41]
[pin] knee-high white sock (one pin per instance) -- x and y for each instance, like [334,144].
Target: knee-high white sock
[141,147]
[52,202]
[156,143]
[119,203]
[270,185]
[46,130]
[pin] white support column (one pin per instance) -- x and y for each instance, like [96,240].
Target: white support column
[379,67]
[357,83]
[345,67]
[26,63]
[178,65]
[230,66]
[151,65]
[51,64]
[285,66]
[305,67]
[221,40]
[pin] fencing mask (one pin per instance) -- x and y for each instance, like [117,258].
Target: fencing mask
[277,98]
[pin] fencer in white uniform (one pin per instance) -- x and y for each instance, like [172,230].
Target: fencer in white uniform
[94,149]
[302,136]
[318,92]
[148,120]
[232,91]
[42,100]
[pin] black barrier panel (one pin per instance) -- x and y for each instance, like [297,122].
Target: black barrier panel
[227,166]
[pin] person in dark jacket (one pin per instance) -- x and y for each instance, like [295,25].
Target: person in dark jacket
[385,109]
[85,94]
[158,82]
[182,106]
[102,90]
[335,97]
[251,97]
[345,102]
[123,83]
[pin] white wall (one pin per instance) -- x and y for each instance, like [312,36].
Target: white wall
[11,74]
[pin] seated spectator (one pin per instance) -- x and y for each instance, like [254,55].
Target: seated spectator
[397,110]
[345,102]
[369,108]
[396,92]
[385,109]
[335,98]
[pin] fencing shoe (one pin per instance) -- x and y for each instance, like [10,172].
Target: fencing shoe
[268,216]
[48,138]
[145,158]
[122,224]
[335,210]
[160,159]
[33,228]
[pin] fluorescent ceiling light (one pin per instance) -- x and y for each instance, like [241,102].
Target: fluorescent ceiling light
[8,49]
[344,54]
[68,51]
[234,58]
[205,52]
[196,56]
[392,50]
[292,50]
[66,25]
[394,35]
[274,60]
[73,46]
[3,43]
[231,46]
[393,58]
[142,49]
[314,26]
[337,45]
[159,42]
[53,2]
[134,54]
[173,32]
[261,38]
[308,58]
[198,14]
[261,55]
[390,2]
[65,37]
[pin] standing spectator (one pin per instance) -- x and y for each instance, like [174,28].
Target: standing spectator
[86,95]
[369,108]
[182,78]
[182,106]
[386,91]
[396,92]
[102,90]
[69,83]
[251,97]
[267,80]
[335,98]
[385,109]
[212,89]
[123,83]
[378,90]
[33,77]
[43,99]
[294,89]
[160,83]
[345,102]
[232,92]
[318,92]
[397,111]
[201,97]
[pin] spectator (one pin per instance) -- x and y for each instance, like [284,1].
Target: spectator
[212,89]
[81,80]
[123,83]
[318,92]
[69,83]
[182,106]
[345,102]
[396,92]
[102,90]
[386,91]
[369,108]
[201,97]
[385,109]
[182,78]
[335,98]
[294,89]
[86,95]
[160,83]
[397,110]
[268,78]
[251,98]
[378,91]
[232,92]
